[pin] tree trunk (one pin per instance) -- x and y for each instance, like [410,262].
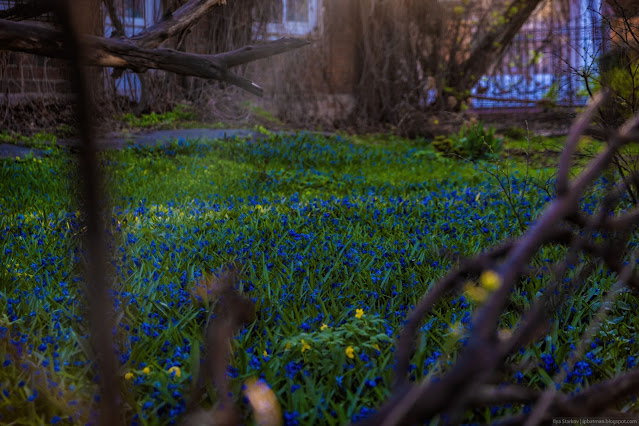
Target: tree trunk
[489,49]
[90,20]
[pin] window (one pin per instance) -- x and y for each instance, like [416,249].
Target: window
[297,17]
[135,14]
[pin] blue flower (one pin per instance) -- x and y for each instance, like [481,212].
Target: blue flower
[549,363]
[304,326]
[364,413]
[292,368]
[290,418]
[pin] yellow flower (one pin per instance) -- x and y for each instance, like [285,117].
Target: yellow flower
[323,327]
[176,371]
[305,346]
[490,280]
[350,352]
[287,347]
[128,376]
[475,293]
[146,370]
[265,354]
[376,346]
[457,329]
[359,313]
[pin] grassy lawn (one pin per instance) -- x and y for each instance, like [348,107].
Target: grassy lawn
[338,238]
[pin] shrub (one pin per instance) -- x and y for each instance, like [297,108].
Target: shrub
[515,133]
[443,144]
[167,119]
[477,141]
[617,72]
[474,142]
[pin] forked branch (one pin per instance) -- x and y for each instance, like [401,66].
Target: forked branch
[122,54]
[139,53]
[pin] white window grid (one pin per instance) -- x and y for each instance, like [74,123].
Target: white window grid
[296,27]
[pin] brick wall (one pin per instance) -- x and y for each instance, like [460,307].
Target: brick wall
[25,77]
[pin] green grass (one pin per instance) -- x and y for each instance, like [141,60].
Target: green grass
[185,117]
[322,227]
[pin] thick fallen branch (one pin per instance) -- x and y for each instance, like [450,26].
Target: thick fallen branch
[122,54]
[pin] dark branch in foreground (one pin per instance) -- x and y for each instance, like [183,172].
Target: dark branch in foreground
[466,384]
[99,300]
[231,312]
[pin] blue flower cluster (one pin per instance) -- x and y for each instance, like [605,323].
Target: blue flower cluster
[309,261]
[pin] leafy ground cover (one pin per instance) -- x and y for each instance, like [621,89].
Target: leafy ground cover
[338,239]
[184,116]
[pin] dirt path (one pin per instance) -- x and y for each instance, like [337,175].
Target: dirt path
[116,141]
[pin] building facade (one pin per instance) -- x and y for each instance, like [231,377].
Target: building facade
[546,61]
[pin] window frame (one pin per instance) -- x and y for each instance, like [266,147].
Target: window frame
[296,27]
[134,25]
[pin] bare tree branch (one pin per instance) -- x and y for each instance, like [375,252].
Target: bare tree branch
[180,20]
[115,18]
[231,312]
[484,353]
[119,53]
[486,50]
[573,139]
[251,53]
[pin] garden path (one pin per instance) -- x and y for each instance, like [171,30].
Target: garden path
[116,141]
